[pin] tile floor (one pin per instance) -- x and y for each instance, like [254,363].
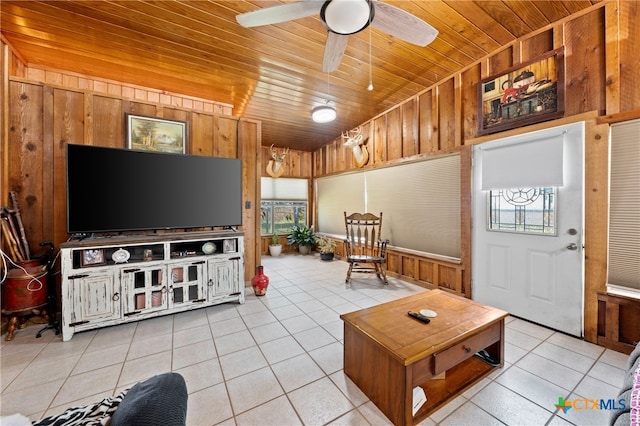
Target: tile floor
[277,360]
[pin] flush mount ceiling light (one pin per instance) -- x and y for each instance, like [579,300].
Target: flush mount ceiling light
[347,16]
[323,114]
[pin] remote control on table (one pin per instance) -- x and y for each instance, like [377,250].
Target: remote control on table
[419,317]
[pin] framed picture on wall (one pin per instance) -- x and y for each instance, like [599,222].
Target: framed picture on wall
[156,134]
[528,93]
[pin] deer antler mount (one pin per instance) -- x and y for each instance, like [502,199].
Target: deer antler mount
[353,139]
[275,168]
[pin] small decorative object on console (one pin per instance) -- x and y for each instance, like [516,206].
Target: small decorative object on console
[208,248]
[229,246]
[260,282]
[93,257]
[120,256]
[148,255]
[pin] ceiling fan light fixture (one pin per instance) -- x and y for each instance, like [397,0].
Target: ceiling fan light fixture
[323,114]
[347,16]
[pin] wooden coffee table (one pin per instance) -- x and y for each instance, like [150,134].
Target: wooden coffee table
[387,353]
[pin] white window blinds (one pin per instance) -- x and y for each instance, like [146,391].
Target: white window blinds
[532,163]
[335,195]
[420,203]
[284,189]
[624,206]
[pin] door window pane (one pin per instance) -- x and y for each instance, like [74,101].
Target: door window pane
[523,210]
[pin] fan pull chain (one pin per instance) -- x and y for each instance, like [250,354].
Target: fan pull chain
[370,86]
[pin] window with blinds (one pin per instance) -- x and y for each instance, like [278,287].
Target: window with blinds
[284,204]
[335,195]
[420,202]
[624,209]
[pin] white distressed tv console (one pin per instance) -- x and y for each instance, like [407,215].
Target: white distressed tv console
[115,280]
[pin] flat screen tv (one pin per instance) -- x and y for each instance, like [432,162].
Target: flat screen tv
[112,190]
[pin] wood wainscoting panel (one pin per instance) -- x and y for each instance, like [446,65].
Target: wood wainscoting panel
[618,325]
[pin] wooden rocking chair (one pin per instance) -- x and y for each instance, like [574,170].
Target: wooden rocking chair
[365,250]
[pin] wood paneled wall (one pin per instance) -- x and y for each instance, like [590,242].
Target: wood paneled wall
[618,325]
[118,89]
[601,74]
[601,78]
[55,109]
[297,164]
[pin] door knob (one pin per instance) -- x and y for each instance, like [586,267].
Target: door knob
[572,246]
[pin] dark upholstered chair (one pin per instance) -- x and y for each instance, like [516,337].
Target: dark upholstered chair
[365,250]
[160,400]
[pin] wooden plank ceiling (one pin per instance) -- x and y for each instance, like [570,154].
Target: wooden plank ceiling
[271,73]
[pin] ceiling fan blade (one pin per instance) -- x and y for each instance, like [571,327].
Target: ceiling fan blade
[333,51]
[403,25]
[279,13]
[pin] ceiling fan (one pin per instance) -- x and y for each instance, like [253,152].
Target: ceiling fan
[342,18]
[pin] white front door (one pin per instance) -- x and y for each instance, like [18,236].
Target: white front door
[517,266]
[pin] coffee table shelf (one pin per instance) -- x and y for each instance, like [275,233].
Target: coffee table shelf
[458,379]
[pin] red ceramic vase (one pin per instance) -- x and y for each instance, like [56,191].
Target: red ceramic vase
[260,282]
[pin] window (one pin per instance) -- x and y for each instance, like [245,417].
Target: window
[624,210]
[420,202]
[284,204]
[335,195]
[523,210]
[280,216]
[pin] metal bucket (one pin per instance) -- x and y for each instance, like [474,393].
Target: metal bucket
[24,289]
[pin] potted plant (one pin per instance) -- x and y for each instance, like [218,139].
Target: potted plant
[303,236]
[275,248]
[326,246]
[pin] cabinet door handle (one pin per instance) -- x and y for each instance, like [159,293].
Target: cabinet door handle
[210,283]
[116,297]
[164,289]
